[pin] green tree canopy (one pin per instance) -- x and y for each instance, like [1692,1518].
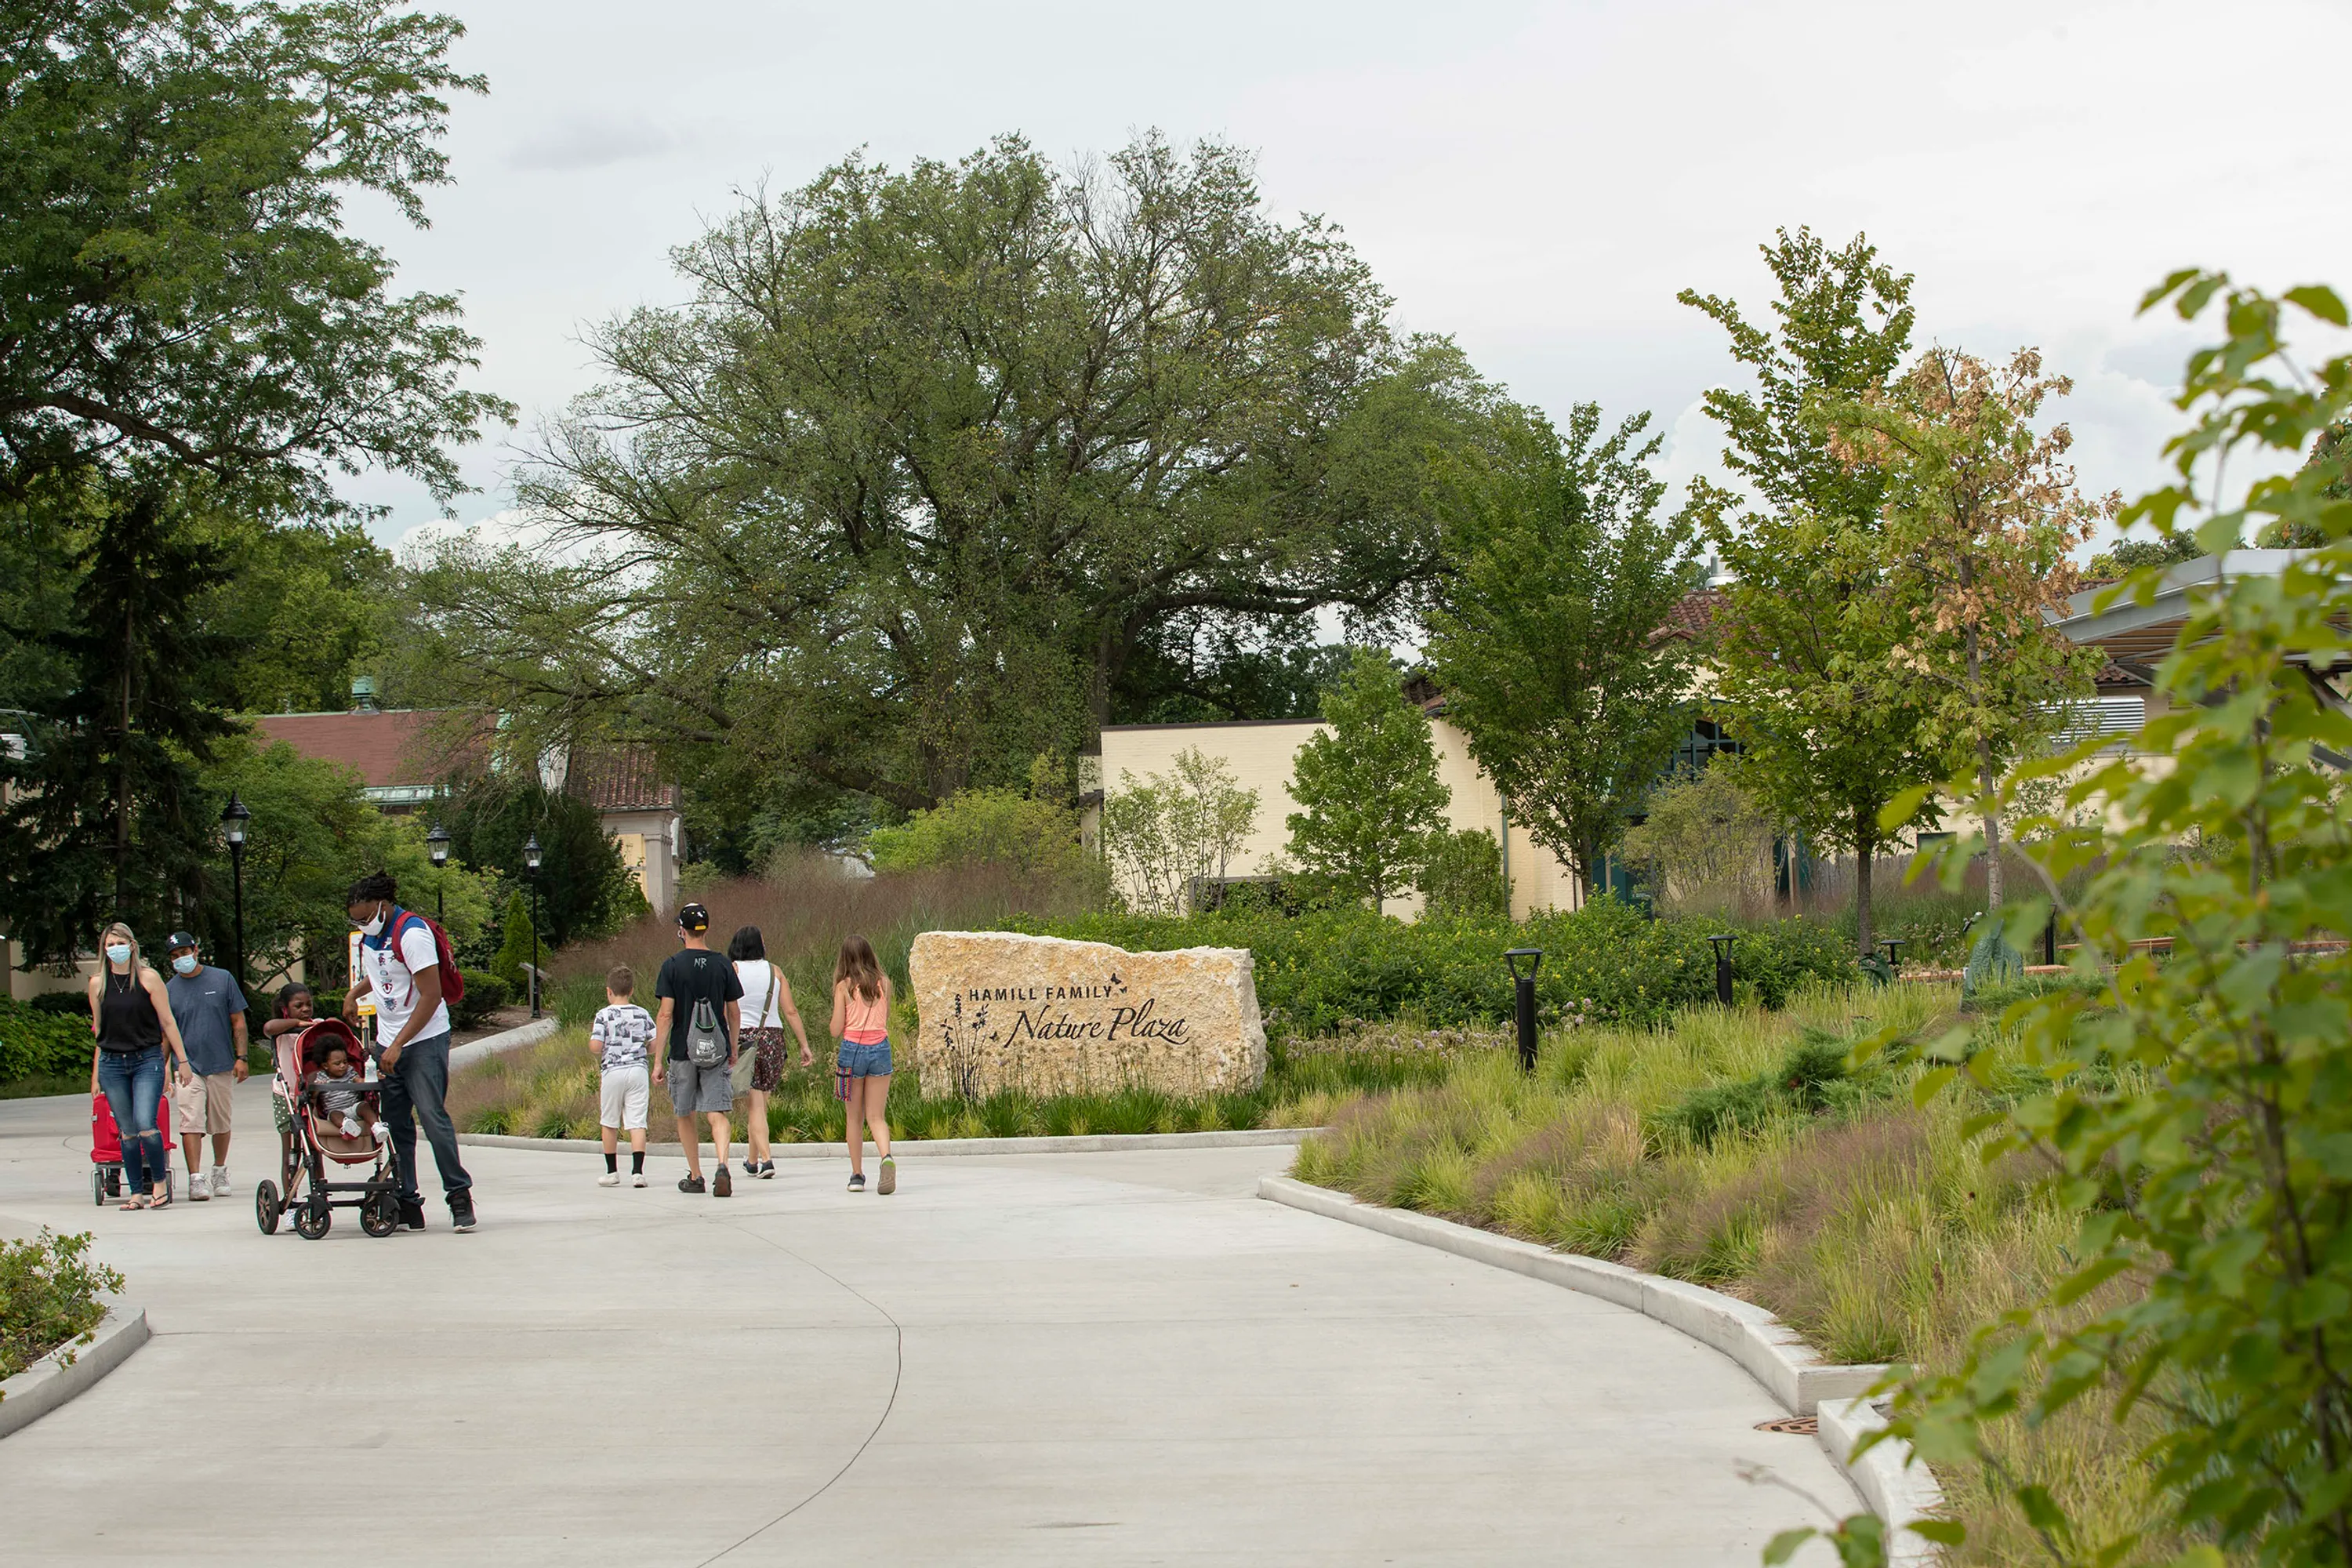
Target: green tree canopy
[1548,634]
[1805,637]
[923,480]
[584,889]
[175,284]
[1369,797]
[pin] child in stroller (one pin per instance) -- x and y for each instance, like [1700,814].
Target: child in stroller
[332,1109]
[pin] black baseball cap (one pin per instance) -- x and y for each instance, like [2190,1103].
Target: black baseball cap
[693,916]
[178,940]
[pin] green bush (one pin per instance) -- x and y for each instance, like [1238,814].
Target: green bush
[49,1292]
[485,994]
[1806,1081]
[1322,970]
[38,1043]
[516,943]
[69,1004]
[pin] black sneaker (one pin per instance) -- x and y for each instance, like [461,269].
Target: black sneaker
[461,1211]
[857,1181]
[411,1214]
[689,1184]
[722,1186]
[766,1169]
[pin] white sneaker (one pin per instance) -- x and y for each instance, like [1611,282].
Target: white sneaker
[197,1190]
[609,1179]
[221,1188]
[637,1178]
[383,1131]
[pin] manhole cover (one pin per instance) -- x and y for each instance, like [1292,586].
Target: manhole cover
[1799,1426]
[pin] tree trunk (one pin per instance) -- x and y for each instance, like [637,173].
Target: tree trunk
[1866,850]
[122,770]
[1990,812]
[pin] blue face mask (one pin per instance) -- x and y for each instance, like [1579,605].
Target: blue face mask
[120,951]
[185,963]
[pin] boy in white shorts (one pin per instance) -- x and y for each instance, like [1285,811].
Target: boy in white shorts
[621,1033]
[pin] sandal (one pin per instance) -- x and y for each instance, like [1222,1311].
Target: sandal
[135,1201]
[163,1202]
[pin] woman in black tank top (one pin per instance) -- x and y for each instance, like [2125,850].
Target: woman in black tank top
[130,1015]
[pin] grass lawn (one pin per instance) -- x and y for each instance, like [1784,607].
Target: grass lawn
[548,1090]
[1732,1149]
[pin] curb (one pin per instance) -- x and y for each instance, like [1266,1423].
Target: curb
[71,1368]
[1085,1144]
[1770,1351]
[489,1046]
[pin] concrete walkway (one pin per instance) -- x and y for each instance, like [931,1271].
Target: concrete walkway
[1085,1359]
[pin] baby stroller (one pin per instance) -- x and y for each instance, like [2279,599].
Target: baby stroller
[322,1149]
[106,1152]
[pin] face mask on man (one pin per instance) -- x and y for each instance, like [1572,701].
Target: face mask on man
[373,924]
[118,952]
[186,963]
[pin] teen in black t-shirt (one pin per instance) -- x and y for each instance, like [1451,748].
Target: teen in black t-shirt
[696,974]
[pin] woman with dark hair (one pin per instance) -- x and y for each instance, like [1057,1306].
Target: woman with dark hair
[767,1009]
[861,1072]
[130,1018]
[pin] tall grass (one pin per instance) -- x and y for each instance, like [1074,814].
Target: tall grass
[1872,1227]
[803,907]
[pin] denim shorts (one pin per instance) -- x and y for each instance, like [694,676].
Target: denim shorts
[863,1061]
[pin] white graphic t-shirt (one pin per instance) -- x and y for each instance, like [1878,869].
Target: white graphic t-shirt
[393,976]
[622,1033]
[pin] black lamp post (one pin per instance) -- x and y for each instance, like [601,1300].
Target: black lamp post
[1722,945]
[436,846]
[232,821]
[530,863]
[1523,987]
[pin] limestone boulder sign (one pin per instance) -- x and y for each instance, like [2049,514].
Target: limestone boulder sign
[998,1011]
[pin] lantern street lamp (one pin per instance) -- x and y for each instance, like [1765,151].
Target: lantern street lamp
[436,846]
[232,821]
[530,863]
[1523,987]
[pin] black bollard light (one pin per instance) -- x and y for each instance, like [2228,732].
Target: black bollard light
[1525,999]
[1722,945]
[2049,940]
[1894,946]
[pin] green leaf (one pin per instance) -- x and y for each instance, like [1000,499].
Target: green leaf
[2320,300]
[1942,1531]
[1898,811]
[1783,1546]
[2041,1509]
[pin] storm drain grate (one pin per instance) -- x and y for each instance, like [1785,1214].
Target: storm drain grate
[1797,1425]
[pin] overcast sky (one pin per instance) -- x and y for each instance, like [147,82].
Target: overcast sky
[1536,180]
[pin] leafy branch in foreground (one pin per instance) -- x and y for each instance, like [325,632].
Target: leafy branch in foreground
[2198,1110]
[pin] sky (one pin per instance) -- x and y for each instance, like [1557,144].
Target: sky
[1536,179]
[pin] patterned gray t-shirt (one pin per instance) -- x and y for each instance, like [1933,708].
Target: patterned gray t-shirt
[620,1033]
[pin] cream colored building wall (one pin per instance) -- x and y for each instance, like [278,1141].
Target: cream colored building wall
[1261,756]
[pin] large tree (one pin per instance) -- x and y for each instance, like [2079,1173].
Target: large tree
[1981,517]
[1805,641]
[1549,634]
[923,480]
[191,347]
[175,283]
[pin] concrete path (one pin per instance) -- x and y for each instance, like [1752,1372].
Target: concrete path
[1084,1359]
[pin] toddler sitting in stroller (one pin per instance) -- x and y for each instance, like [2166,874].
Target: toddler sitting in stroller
[334,1090]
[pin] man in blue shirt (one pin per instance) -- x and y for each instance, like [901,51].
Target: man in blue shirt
[210,1010]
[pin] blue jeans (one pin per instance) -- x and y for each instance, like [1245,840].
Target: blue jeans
[421,1084]
[132,1082]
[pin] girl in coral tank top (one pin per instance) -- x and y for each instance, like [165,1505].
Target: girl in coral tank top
[861,1071]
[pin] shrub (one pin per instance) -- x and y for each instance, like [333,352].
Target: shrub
[485,994]
[69,1004]
[1321,971]
[39,1043]
[1465,875]
[516,943]
[49,1292]
[1034,832]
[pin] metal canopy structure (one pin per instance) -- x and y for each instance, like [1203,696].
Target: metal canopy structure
[2144,633]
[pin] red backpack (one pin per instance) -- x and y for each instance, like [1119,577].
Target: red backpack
[453,980]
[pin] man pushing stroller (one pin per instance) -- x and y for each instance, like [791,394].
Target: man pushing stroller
[405,963]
